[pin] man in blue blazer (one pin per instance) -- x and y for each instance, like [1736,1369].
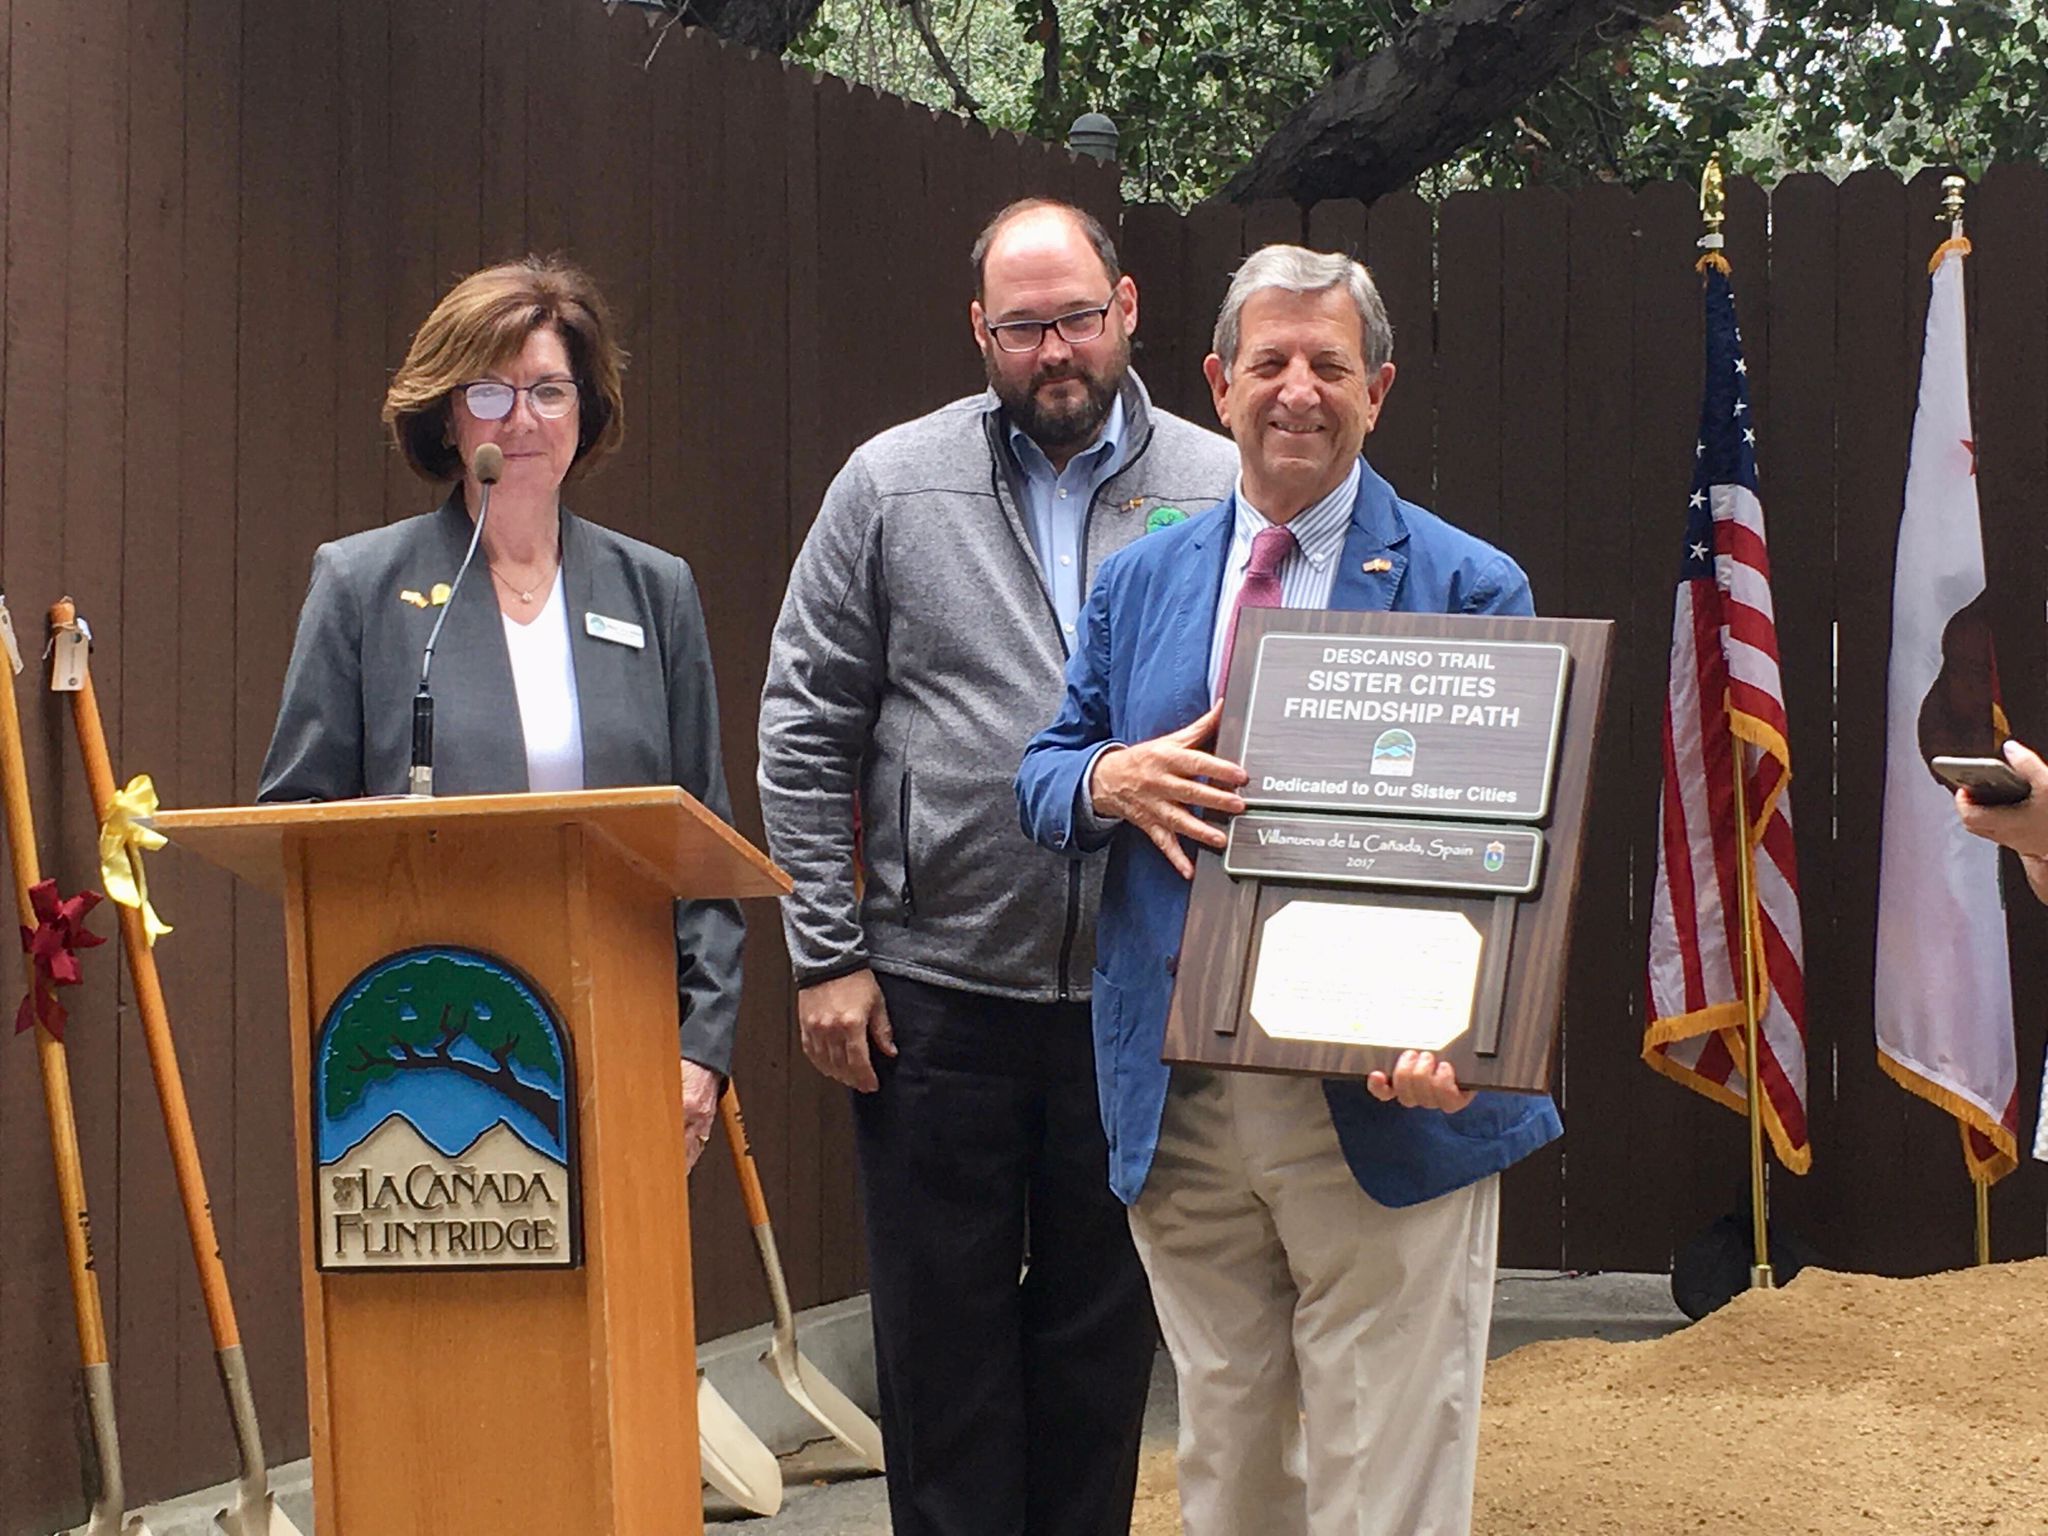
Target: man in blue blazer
[1321,1252]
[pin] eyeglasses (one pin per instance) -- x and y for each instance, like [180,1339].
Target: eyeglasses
[489,400]
[1029,335]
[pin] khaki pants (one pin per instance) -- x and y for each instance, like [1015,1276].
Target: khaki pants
[1330,1350]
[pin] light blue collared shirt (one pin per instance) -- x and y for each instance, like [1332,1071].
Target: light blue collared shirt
[1308,574]
[1056,509]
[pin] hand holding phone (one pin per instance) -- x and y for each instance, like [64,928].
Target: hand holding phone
[1990,780]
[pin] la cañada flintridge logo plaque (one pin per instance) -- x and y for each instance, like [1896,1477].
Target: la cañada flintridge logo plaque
[444,1120]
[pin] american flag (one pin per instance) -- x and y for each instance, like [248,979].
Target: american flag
[1725,701]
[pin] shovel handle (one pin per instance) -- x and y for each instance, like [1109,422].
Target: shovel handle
[742,1156]
[156,1023]
[50,1053]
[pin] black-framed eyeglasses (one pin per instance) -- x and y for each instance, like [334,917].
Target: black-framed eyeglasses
[490,400]
[1029,335]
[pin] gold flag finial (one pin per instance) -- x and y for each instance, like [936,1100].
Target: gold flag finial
[1713,201]
[1713,214]
[1953,190]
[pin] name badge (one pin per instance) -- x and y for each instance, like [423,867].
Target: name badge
[618,631]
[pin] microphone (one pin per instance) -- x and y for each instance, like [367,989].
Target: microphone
[487,465]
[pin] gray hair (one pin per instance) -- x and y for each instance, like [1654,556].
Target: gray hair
[1299,270]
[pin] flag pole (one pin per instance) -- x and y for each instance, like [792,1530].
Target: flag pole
[1953,190]
[1761,1276]
[1713,215]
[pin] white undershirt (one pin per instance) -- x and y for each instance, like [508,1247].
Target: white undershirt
[545,680]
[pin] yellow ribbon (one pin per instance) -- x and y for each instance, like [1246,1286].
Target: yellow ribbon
[123,840]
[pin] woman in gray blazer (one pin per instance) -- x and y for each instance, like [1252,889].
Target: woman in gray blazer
[580,661]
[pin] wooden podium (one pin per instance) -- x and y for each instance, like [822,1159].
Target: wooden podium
[460,1401]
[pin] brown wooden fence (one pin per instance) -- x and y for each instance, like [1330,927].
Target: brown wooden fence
[222,219]
[1548,348]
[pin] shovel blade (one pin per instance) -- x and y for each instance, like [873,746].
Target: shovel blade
[111,1523]
[254,1516]
[813,1392]
[736,1463]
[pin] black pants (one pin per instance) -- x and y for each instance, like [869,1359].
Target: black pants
[1010,1406]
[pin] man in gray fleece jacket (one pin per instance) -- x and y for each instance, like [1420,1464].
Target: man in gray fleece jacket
[922,642]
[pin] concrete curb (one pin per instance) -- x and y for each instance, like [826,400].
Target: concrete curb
[1535,1304]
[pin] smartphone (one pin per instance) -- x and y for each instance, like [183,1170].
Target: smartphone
[1990,780]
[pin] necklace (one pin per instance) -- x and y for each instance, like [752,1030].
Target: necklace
[527,594]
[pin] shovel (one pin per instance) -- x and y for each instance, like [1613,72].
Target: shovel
[832,1408]
[255,1511]
[102,1450]
[736,1462]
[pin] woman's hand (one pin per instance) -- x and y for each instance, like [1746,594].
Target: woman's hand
[2022,827]
[701,1088]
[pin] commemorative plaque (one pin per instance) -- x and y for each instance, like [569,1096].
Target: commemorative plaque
[1405,875]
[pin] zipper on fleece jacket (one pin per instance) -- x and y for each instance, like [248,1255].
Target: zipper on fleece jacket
[1073,927]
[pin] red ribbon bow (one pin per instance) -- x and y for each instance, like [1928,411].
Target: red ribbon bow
[51,947]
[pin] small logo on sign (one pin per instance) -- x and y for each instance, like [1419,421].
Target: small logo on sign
[1394,754]
[1496,857]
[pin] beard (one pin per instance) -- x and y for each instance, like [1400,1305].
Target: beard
[1067,422]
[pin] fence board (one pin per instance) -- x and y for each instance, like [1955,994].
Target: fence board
[508,127]
[1535,516]
[198,965]
[1273,222]
[1150,250]
[1603,1026]
[365,352]
[1400,247]
[285,422]
[1210,247]
[94,404]
[1877,267]
[159,1316]
[1797,466]
[1469,405]
[36,1341]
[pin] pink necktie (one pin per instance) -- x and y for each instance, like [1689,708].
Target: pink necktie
[1261,589]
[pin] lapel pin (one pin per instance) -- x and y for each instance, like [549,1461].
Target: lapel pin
[1373,567]
[1164,517]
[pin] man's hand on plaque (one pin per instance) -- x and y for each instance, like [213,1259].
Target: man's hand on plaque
[1157,784]
[1420,1081]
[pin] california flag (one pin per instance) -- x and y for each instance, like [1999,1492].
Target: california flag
[1944,993]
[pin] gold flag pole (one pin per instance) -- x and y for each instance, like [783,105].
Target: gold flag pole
[1761,1276]
[1953,190]
[1713,215]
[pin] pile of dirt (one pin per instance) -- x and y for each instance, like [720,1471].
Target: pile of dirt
[1838,1405]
